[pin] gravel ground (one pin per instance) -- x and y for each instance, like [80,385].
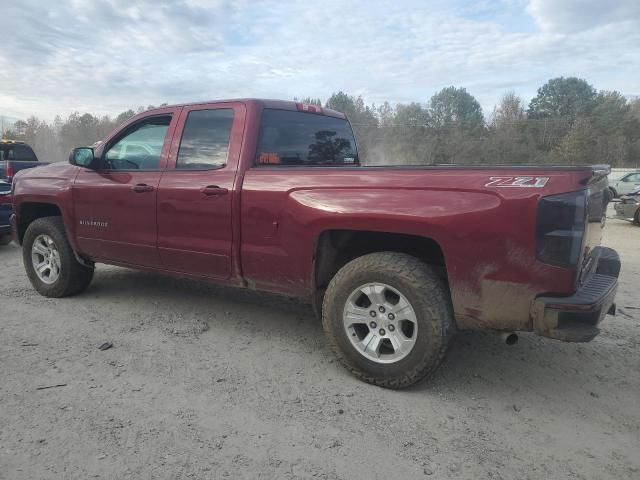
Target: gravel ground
[207,382]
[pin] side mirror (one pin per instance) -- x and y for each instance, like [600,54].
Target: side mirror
[81,157]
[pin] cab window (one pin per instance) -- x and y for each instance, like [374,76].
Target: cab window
[291,138]
[140,147]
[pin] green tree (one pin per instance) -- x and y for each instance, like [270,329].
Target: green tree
[412,115]
[342,103]
[459,126]
[45,143]
[507,140]
[354,108]
[609,134]
[408,137]
[578,146]
[124,116]
[20,129]
[10,134]
[363,120]
[385,114]
[568,98]
[453,106]
[309,101]
[510,110]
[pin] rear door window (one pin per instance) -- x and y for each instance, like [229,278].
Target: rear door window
[205,139]
[292,138]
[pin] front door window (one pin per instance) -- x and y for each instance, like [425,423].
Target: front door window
[140,147]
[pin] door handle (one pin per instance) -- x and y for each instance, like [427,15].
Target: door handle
[214,190]
[142,187]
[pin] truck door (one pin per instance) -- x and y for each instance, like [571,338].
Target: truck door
[115,204]
[195,196]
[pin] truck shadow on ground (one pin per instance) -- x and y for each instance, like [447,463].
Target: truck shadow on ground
[476,362]
[116,283]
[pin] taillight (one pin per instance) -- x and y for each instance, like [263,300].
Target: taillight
[305,107]
[560,228]
[9,172]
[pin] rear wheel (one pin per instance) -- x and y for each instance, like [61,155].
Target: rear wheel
[388,318]
[50,262]
[636,217]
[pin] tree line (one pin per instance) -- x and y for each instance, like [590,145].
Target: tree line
[567,122]
[53,141]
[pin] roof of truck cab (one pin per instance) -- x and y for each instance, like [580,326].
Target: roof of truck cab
[264,102]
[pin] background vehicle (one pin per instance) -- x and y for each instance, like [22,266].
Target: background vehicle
[625,184]
[15,156]
[628,208]
[5,212]
[270,195]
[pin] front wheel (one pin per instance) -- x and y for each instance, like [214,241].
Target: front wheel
[51,265]
[388,318]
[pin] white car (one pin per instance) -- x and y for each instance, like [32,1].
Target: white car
[628,208]
[625,184]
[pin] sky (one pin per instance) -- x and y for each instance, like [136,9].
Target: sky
[106,56]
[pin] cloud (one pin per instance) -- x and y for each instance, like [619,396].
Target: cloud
[106,56]
[577,15]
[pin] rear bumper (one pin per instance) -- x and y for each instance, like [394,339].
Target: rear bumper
[576,318]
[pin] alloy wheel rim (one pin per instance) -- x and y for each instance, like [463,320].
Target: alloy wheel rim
[45,259]
[380,323]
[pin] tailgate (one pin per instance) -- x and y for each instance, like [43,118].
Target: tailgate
[597,199]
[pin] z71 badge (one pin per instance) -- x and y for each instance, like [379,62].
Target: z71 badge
[522,182]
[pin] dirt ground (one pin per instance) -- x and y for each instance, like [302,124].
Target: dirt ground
[207,382]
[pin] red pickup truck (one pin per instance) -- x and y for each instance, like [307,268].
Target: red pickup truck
[270,195]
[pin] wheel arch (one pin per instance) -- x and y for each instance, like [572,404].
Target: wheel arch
[336,247]
[27,212]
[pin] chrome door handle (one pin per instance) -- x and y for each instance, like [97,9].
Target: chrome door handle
[142,188]
[214,190]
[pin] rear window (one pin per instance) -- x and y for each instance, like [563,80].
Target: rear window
[17,152]
[305,139]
